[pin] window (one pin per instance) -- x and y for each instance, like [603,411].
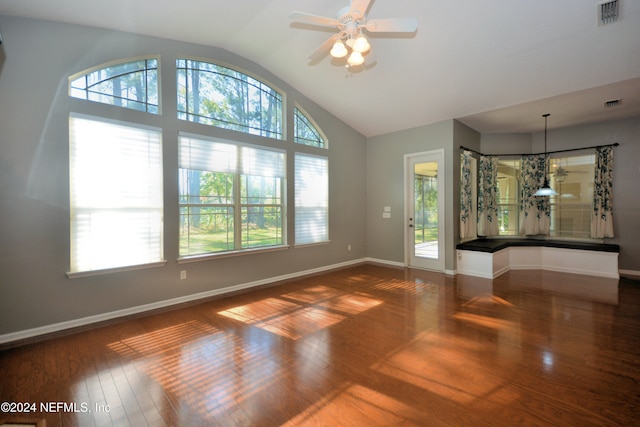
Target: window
[572,208]
[425,184]
[508,197]
[116,195]
[305,132]
[230,196]
[132,84]
[311,199]
[218,96]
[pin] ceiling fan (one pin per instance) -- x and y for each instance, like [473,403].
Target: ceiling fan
[560,173]
[352,24]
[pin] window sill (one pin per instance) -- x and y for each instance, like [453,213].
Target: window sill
[89,273]
[306,245]
[229,254]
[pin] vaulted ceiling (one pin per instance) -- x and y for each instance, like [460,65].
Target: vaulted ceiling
[496,65]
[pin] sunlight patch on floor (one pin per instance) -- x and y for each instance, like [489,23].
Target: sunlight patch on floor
[483,321]
[357,402]
[298,314]
[208,369]
[438,367]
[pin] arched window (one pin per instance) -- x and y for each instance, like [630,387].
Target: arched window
[131,84]
[305,132]
[219,96]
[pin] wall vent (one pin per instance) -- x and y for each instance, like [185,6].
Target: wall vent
[608,12]
[613,103]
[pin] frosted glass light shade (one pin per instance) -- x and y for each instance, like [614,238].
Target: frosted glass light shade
[355,58]
[361,45]
[338,50]
[545,190]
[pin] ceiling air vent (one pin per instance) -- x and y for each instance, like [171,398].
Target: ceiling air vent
[608,12]
[613,103]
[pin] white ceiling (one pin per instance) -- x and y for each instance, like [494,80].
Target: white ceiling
[497,65]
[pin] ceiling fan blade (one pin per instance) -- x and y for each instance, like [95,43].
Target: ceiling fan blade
[359,8]
[324,47]
[307,18]
[398,25]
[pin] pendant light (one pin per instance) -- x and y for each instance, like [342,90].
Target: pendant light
[545,190]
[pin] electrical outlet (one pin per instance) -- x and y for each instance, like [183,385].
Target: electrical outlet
[183,274]
[348,247]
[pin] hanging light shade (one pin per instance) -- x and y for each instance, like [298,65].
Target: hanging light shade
[338,50]
[361,44]
[355,58]
[546,189]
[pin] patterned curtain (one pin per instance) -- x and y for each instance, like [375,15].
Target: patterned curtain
[534,210]
[488,196]
[602,219]
[466,208]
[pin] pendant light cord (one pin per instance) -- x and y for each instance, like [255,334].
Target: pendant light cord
[545,145]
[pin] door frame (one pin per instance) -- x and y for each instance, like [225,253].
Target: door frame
[437,155]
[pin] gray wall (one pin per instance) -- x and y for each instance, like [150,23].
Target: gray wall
[36,60]
[385,185]
[626,171]
[506,143]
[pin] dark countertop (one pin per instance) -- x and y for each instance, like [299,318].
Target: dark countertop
[494,245]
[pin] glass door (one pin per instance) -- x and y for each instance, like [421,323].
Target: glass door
[424,209]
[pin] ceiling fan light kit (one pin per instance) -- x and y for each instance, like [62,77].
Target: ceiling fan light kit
[359,46]
[351,22]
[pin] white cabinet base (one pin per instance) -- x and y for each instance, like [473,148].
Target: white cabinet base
[577,261]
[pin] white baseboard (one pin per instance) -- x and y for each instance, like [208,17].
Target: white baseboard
[403,265]
[84,321]
[385,262]
[634,274]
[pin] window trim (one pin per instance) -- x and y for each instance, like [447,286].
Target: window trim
[230,254]
[89,273]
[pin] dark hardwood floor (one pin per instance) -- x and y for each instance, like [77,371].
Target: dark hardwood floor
[364,346]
